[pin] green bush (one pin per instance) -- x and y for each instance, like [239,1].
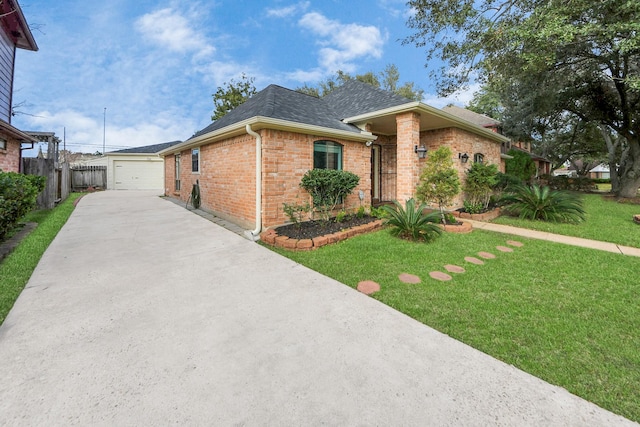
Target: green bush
[18,195]
[520,165]
[572,184]
[412,223]
[542,203]
[328,188]
[439,181]
[296,211]
[478,186]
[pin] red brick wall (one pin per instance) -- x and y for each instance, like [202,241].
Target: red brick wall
[10,157]
[227,174]
[461,141]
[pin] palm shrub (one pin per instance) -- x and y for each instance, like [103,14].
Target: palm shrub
[542,203]
[412,223]
[439,181]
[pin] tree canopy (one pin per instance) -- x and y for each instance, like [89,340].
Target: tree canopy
[388,79]
[578,58]
[231,94]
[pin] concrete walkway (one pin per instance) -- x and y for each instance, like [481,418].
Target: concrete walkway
[142,313]
[557,238]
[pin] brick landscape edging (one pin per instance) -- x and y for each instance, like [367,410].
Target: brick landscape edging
[271,237]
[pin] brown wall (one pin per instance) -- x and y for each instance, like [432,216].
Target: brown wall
[227,175]
[10,157]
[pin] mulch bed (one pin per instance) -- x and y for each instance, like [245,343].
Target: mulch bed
[312,229]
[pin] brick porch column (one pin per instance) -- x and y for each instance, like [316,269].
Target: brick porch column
[408,166]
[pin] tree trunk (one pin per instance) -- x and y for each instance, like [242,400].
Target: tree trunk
[612,158]
[630,170]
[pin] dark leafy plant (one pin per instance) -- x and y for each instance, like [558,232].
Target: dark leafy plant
[472,208]
[18,195]
[520,165]
[479,183]
[542,203]
[328,188]
[412,223]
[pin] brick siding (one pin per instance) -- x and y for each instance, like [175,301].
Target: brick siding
[10,157]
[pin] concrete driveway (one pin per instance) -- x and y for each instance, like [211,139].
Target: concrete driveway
[142,313]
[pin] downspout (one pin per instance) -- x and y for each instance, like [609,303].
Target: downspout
[255,234]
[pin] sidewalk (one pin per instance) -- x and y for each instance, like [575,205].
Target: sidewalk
[556,238]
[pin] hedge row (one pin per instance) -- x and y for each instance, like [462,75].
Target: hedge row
[18,195]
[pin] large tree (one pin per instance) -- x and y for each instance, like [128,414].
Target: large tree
[579,57]
[231,94]
[388,80]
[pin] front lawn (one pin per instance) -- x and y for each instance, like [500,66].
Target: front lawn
[565,314]
[16,269]
[606,220]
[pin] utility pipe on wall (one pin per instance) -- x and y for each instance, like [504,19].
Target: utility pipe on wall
[255,234]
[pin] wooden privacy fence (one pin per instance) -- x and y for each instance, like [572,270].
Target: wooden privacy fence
[57,185]
[83,177]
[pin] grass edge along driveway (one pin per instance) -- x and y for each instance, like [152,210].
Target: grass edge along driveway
[565,314]
[16,269]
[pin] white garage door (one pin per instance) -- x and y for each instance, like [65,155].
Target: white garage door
[138,175]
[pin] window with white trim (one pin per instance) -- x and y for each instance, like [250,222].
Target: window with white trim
[478,158]
[177,156]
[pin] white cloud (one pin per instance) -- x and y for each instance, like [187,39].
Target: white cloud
[285,12]
[460,98]
[174,31]
[342,44]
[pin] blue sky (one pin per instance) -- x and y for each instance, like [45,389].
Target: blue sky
[154,64]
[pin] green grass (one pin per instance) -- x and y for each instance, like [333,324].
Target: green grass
[565,314]
[606,220]
[16,269]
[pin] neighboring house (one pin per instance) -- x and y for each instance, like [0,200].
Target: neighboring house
[139,168]
[14,33]
[279,134]
[543,166]
[600,172]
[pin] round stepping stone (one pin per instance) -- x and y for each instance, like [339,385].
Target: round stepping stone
[515,243]
[408,278]
[473,260]
[486,255]
[368,287]
[504,249]
[454,268]
[438,275]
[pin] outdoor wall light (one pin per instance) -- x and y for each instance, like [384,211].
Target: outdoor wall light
[464,158]
[421,151]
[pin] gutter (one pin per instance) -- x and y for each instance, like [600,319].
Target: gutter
[254,235]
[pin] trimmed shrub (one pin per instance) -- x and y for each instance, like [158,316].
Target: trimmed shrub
[439,182]
[18,195]
[572,184]
[478,187]
[520,165]
[328,188]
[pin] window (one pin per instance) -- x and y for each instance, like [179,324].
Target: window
[195,160]
[327,155]
[3,144]
[177,172]
[478,158]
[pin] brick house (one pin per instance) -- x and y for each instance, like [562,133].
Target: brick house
[14,33]
[378,135]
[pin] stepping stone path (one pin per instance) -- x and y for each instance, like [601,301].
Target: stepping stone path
[438,275]
[454,268]
[486,255]
[368,287]
[473,260]
[409,278]
[504,249]
[514,243]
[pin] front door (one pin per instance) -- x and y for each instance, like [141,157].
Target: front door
[383,173]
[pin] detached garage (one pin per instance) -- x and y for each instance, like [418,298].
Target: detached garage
[137,168]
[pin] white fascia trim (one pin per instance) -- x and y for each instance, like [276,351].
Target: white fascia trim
[424,108]
[259,122]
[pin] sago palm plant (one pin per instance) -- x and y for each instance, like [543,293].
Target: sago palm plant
[541,203]
[411,222]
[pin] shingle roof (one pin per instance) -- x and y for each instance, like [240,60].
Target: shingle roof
[149,149]
[354,98]
[471,116]
[280,103]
